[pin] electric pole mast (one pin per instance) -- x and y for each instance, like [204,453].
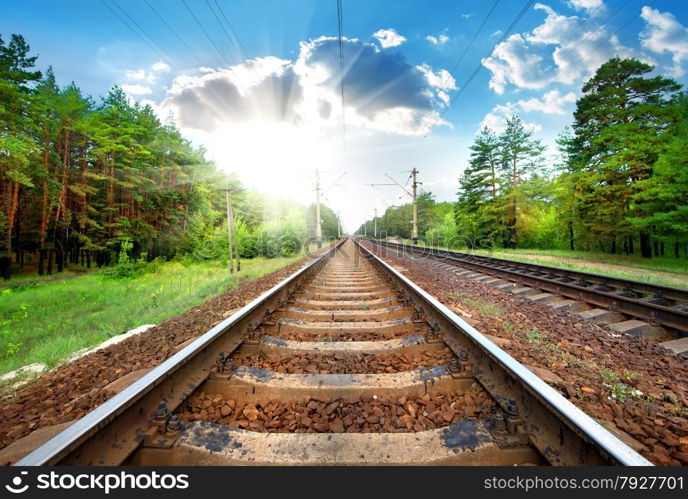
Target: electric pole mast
[375,223]
[231,236]
[318,228]
[414,233]
[339,227]
[413,194]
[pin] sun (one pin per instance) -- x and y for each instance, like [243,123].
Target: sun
[274,157]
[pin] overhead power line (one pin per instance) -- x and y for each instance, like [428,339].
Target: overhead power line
[128,26]
[603,24]
[206,33]
[160,47]
[470,44]
[229,25]
[217,18]
[174,32]
[340,25]
[629,21]
[506,33]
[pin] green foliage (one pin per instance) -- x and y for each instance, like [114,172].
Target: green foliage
[36,326]
[89,175]
[622,126]
[621,184]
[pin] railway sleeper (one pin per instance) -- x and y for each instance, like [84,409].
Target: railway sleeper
[344,315]
[246,384]
[279,346]
[466,443]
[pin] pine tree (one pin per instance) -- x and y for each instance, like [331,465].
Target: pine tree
[664,195]
[521,157]
[16,145]
[619,131]
[478,188]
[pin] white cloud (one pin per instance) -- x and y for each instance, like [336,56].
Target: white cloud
[437,40]
[497,33]
[161,67]
[588,5]
[136,74]
[388,38]
[136,89]
[468,15]
[150,76]
[557,51]
[442,79]
[552,102]
[496,119]
[664,33]
[383,92]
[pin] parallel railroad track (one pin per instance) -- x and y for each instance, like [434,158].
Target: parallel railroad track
[345,362]
[631,307]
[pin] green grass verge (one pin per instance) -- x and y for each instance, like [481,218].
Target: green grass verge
[47,321]
[667,271]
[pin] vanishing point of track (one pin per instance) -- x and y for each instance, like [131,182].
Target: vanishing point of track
[345,362]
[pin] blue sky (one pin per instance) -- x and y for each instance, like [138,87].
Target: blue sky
[276,117]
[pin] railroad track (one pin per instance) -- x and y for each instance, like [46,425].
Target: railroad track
[345,362]
[649,311]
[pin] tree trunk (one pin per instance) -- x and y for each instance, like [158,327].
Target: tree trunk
[60,260]
[5,264]
[41,261]
[645,246]
[14,202]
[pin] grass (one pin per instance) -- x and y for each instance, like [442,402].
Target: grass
[483,307]
[666,270]
[47,321]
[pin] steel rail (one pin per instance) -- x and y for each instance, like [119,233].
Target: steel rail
[487,356]
[618,295]
[131,405]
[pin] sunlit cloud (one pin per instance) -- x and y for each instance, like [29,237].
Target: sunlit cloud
[556,51]
[161,67]
[388,38]
[136,89]
[437,40]
[587,5]
[664,33]
[383,92]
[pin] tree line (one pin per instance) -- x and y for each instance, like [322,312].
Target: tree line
[78,177]
[620,185]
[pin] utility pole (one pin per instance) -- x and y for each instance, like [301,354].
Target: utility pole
[339,227]
[318,193]
[414,233]
[230,231]
[375,223]
[413,194]
[318,228]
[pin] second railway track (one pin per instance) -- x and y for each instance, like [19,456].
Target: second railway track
[649,311]
[345,362]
